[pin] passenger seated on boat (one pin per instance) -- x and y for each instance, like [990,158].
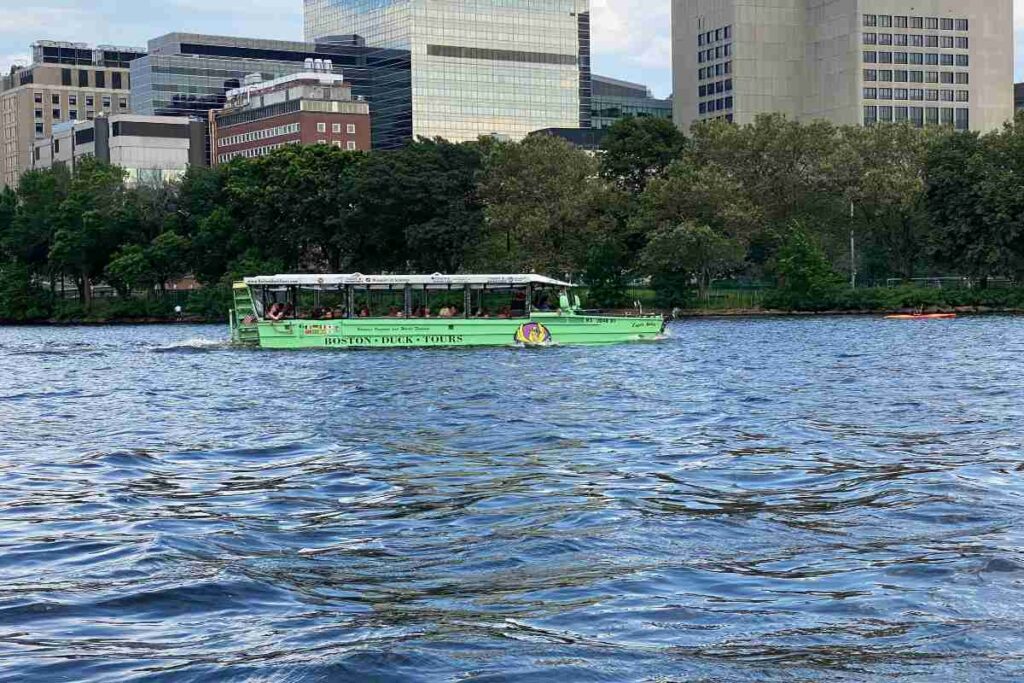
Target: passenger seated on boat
[518,305]
[276,312]
[316,314]
[364,312]
[426,312]
[543,304]
[504,312]
[393,312]
[289,311]
[339,313]
[482,313]
[446,312]
[327,315]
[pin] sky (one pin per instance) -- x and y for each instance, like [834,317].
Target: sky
[631,39]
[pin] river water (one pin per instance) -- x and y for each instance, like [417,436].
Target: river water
[826,499]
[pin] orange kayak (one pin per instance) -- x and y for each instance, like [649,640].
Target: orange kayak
[923,316]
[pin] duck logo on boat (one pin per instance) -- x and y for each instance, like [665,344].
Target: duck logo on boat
[533,334]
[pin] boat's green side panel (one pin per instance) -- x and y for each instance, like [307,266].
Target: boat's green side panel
[550,328]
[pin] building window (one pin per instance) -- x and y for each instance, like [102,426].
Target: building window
[946,42]
[885,58]
[946,60]
[870,56]
[961,24]
[83,78]
[702,108]
[916,41]
[947,24]
[870,75]
[65,76]
[963,119]
[39,114]
[38,97]
[870,115]
[931,23]
[962,43]
[702,91]
[885,21]
[932,77]
[885,39]
[900,76]
[899,22]
[947,95]
[962,60]
[962,78]
[351,145]
[870,20]
[73,100]
[55,100]
[932,116]
[122,102]
[885,93]
[335,127]
[916,58]
[115,80]
[101,79]
[885,75]
[39,130]
[900,94]
[900,39]
[870,93]
[963,95]
[917,77]
[932,95]
[106,101]
[902,114]
[916,94]
[321,127]
[885,114]
[947,77]
[916,22]
[73,115]
[917,116]
[870,38]
[351,128]
[56,113]
[89,100]
[947,116]
[337,143]
[899,57]
[931,41]
[321,142]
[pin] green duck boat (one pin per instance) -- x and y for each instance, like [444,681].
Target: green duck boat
[414,311]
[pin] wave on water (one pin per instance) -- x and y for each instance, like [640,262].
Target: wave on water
[195,345]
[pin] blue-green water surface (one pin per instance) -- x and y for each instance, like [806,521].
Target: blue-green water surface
[827,499]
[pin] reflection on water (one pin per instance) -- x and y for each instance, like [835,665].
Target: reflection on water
[750,500]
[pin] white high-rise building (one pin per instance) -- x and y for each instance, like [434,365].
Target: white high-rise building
[928,62]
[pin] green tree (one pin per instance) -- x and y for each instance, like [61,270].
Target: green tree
[91,223]
[686,256]
[31,233]
[541,196]
[21,298]
[636,150]
[805,276]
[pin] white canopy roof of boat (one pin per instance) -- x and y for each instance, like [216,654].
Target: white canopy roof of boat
[435,280]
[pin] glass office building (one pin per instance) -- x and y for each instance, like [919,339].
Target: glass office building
[189,74]
[479,67]
[614,99]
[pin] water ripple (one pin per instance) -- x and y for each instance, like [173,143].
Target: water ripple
[748,500]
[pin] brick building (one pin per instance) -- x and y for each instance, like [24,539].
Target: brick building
[308,108]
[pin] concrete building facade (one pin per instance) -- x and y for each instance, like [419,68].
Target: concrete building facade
[66,82]
[926,62]
[313,107]
[151,149]
[490,67]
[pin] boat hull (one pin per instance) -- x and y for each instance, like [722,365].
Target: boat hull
[539,330]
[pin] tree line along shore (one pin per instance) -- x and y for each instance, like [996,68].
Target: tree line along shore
[809,216]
